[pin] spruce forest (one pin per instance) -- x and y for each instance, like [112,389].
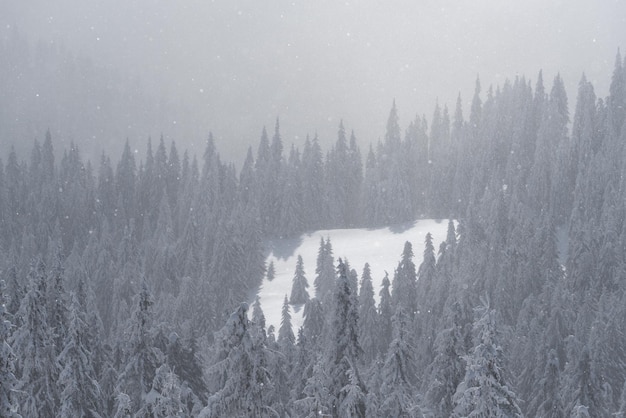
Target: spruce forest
[128,283]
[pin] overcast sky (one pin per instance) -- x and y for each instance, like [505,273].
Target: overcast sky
[241,63]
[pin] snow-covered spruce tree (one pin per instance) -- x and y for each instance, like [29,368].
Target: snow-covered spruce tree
[313,190]
[397,391]
[57,301]
[181,356]
[280,362]
[583,386]
[368,317]
[404,283]
[34,348]
[302,368]
[427,320]
[241,383]
[286,337]
[271,271]
[316,395]
[164,399]
[8,382]
[552,403]
[343,353]
[290,197]
[334,386]
[447,369]
[373,207]
[80,394]
[313,321]
[484,392]
[141,357]
[324,271]
[385,312]
[299,293]
[258,317]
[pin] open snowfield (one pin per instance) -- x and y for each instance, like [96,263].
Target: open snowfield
[381,248]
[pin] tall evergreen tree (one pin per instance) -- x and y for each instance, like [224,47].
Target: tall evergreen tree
[447,369]
[404,282]
[344,352]
[80,394]
[8,382]
[368,317]
[34,347]
[484,392]
[385,311]
[141,357]
[324,271]
[552,404]
[397,392]
[240,379]
[286,338]
[299,294]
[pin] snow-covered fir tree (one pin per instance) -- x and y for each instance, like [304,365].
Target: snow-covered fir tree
[33,343]
[8,382]
[399,377]
[240,382]
[80,392]
[484,391]
[299,293]
[142,357]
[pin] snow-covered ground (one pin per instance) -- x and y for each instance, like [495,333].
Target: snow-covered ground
[381,248]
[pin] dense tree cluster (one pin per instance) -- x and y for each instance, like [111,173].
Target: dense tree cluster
[127,284]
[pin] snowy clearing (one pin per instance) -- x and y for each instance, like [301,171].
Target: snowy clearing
[381,248]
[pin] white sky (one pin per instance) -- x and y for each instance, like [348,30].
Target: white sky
[238,64]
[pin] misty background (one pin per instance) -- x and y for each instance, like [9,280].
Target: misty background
[184,68]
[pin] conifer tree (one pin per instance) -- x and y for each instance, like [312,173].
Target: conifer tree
[313,320]
[344,352]
[584,388]
[368,317]
[324,272]
[164,399]
[314,198]
[484,392]
[34,347]
[385,312]
[183,360]
[299,294]
[57,303]
[617,97]
[447,369]
[271,271]
[397,391]
[286,338]
[302,369]
[80,393]
[258,318]
[242,385]
[8,382]
[142,358]
[404,283]
[552,404]
[290,197]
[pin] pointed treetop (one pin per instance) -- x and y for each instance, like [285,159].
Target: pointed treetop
[392,135]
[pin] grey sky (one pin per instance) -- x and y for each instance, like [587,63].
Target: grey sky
[237,64]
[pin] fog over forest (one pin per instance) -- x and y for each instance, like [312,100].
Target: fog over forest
[305,209]
[232,67]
